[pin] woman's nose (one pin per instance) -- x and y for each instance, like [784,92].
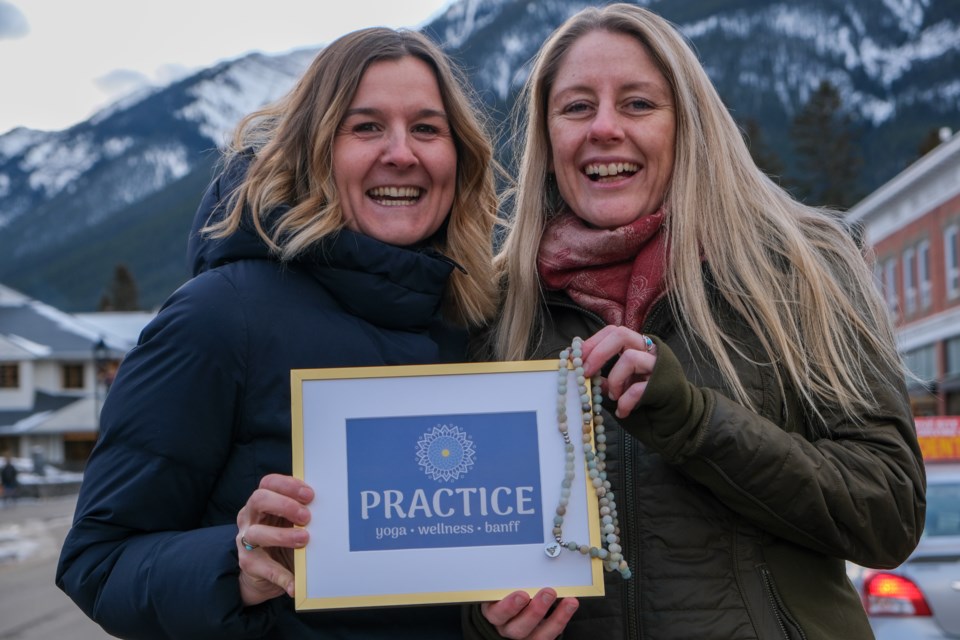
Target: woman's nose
[606,125]
[398,152]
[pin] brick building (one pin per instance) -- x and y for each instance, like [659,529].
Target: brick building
[912,224]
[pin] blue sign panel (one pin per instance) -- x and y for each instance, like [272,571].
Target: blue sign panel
[463,480]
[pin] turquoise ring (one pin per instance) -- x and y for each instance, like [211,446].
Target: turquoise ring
[246,545]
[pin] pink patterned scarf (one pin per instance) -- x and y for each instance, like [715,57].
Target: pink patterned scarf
[616,273]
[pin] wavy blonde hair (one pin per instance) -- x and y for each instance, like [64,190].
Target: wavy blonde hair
[791,271]
[293,144]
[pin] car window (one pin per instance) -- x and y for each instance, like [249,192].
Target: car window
[943,510]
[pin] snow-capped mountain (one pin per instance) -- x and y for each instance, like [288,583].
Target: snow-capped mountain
[122,186]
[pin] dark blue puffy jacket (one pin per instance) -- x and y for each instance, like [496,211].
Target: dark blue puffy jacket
[200,412]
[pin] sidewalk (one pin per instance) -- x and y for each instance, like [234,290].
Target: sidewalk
[33,508]
[31,527]
[31,606]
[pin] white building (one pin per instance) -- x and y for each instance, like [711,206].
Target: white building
[55,370]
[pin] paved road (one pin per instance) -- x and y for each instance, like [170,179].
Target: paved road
[31,605]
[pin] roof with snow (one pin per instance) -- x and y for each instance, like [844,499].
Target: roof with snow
[44,332]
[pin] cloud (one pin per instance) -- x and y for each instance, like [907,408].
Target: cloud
[121,82]
[13,24]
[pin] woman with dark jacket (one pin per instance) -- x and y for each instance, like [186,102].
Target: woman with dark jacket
[761,434]
[350,227]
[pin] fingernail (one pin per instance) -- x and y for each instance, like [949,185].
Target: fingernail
[548,597]
[572,605]
[520,599]
[305,495]
[301,539]
[303,516]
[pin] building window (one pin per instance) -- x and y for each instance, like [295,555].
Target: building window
[909,282]
[9,376]
[951,252]
[922,363]
[923,274]
[73,376]
[953,357]
[890,284]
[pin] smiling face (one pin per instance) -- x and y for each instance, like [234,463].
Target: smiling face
[612,129]
[394,159]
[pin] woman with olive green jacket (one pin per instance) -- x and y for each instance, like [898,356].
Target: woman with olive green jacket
[736,527]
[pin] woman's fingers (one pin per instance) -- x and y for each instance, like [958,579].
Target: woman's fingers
[278,499]
[520,617]
[554,625]
[263,578]
[501,612]
[288,486]
[266,536]
[259,536]
[613,341]
[636,355]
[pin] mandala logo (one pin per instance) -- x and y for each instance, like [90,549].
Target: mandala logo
[445,453]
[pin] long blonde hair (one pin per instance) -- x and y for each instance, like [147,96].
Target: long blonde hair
[293,144]
[791,271]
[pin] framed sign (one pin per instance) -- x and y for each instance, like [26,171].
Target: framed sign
[437,484]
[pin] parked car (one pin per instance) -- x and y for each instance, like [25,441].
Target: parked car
[920,599]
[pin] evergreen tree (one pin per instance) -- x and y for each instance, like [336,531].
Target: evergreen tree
[763,156]
[930,141]
[122,293]
[105,304]
[827,150]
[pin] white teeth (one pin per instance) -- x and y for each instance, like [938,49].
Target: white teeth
[611,169]
[395,196]
[395,192]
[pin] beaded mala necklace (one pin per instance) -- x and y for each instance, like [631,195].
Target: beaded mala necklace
[609,551]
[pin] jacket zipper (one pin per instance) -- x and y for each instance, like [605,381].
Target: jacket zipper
[631,600]
[776,604]
[632,605]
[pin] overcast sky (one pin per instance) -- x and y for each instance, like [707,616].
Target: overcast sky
[61,60]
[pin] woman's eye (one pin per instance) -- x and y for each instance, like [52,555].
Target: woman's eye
[426,129]
[639,104]
[362,127]
[576,107]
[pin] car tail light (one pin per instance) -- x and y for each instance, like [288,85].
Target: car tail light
[887,594]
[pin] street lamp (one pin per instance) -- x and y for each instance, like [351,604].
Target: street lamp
[100,355]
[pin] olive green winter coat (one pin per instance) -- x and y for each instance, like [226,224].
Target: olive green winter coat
[737,524]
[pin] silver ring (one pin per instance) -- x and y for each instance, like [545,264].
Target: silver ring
[648,344]
[246,545]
